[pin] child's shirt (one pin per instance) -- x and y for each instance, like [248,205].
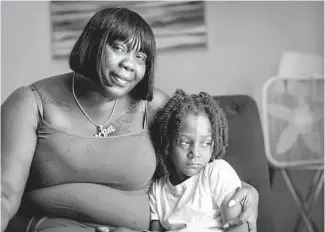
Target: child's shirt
[196,201]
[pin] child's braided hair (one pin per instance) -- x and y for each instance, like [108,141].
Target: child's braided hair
[169,119]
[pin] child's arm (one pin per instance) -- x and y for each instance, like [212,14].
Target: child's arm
[156,226]
[224,182]
[231,211]
[154,202]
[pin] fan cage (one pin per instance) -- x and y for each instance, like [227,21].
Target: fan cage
[287,81]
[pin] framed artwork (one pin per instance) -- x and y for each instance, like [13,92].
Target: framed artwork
[176,25]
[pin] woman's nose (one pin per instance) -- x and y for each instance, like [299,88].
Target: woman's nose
[128,63]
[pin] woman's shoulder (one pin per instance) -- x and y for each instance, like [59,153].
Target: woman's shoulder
[25,98]
[25,94]
[20,97]
[20,107]
[159,100]
[55,90]
[53,83]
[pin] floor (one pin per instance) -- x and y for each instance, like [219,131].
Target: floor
[286,210]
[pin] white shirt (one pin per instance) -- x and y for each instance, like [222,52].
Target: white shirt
[196,201]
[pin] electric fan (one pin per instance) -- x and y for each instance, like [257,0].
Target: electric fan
[293,123]
[293,112]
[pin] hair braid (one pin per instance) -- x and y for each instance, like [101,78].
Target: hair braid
[169,119]
[160,130]
[219,125]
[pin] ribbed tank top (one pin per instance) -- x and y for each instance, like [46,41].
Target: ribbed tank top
[124,161]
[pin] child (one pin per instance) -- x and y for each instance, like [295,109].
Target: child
[190,136]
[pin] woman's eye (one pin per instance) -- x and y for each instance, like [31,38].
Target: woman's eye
[141,57]
[118,48]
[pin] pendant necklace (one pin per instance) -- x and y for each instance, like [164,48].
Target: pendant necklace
[101,131]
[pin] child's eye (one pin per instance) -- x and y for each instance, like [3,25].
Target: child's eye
[185,144]
[206,144]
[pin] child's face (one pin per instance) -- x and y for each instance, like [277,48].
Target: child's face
[193,149]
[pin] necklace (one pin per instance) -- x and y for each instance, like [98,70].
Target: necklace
[101,131]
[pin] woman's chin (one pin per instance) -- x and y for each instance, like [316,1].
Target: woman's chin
[116,91]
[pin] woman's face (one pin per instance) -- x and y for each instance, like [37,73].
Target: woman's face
[194,147]
[123,70]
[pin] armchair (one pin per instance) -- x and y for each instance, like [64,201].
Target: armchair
[246,152]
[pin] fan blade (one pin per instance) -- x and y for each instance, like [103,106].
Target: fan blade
[279,111]
[287,138]
[314,142]
[317,115]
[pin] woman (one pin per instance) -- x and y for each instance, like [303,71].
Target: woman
[76,153]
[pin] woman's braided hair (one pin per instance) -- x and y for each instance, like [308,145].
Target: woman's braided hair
[169,119]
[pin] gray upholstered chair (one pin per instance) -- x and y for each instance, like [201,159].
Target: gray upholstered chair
[246,152]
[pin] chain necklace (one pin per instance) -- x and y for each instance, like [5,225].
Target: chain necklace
[101,131]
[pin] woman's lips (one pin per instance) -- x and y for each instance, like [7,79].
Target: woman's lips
[121,80]
[105,82]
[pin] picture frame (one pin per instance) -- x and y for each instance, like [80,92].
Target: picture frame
[176,24]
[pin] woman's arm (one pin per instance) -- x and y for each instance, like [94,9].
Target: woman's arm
[247,197]
[228,213]
[19,118]
[156,226]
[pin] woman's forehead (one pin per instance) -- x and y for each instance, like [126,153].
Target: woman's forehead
[133,43]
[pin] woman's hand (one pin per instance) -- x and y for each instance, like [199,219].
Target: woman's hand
[120,229]
[247,196]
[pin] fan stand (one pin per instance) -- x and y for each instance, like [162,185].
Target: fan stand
[306,203]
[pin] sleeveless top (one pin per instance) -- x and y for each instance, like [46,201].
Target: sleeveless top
[125,162]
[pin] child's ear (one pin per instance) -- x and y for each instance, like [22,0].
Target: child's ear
[213,157]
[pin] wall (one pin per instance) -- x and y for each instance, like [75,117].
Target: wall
[245,42]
